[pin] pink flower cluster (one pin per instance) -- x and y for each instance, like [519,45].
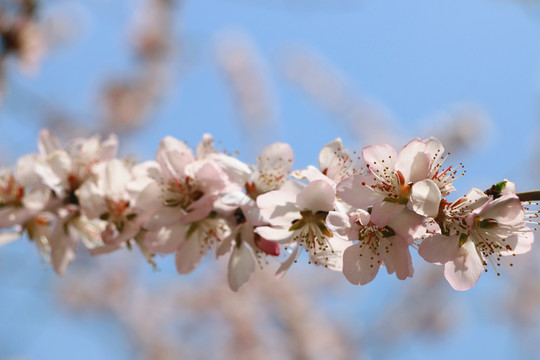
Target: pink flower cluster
[353,214]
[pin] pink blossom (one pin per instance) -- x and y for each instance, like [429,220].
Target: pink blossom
[411,178]
[378,243]
[476,230]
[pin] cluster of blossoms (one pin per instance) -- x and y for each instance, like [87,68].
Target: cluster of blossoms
[353,214]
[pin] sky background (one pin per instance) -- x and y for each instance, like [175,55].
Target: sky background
[416,62]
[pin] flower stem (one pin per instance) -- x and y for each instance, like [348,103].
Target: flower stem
[529,196]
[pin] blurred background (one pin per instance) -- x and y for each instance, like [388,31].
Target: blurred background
[253,72]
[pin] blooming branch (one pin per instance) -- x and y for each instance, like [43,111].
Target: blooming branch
[355,214]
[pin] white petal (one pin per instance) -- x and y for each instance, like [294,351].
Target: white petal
[316,196]
[205,147]
[26,169]
[414,161]
[278,207]
[37,199]
[241,266]
[48,142]
[288,263]
[108,148]
[237,171]
[334,159]
[338,223]
[92,200]
[425,198]
[115,179]
[332,258]
[275,234]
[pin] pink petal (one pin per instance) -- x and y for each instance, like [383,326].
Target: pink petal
[63,248]
[439,249]
[405,223]
[506,210]
[464,271]
[382,212]
[360,265]
[379,157]
[356,190]
[173,156]
[189,255]
[166,240]
[277,159]
[398,258]
[271,248]
[520,242]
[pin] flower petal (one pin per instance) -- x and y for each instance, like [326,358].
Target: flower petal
[425,198]
[318,195]
[464,271]
[413,161]
[360,266]
[241,266]
[380,159]
[439,249]
[189,255]
[356,190]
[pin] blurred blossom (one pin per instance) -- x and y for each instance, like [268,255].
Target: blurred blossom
[461,128]
[21,37]
[243,70]
[128,101]
[273,319]
[368,122]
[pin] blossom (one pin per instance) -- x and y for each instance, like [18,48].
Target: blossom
[115,196]
[476,230]
[64,170]
[335,164]
[273,166]
[185,188]
[412,178]
[296,218]
[378,242]
[21,196]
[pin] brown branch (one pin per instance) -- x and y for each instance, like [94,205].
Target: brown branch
[529,196]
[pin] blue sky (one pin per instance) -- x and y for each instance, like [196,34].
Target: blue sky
[416,58]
